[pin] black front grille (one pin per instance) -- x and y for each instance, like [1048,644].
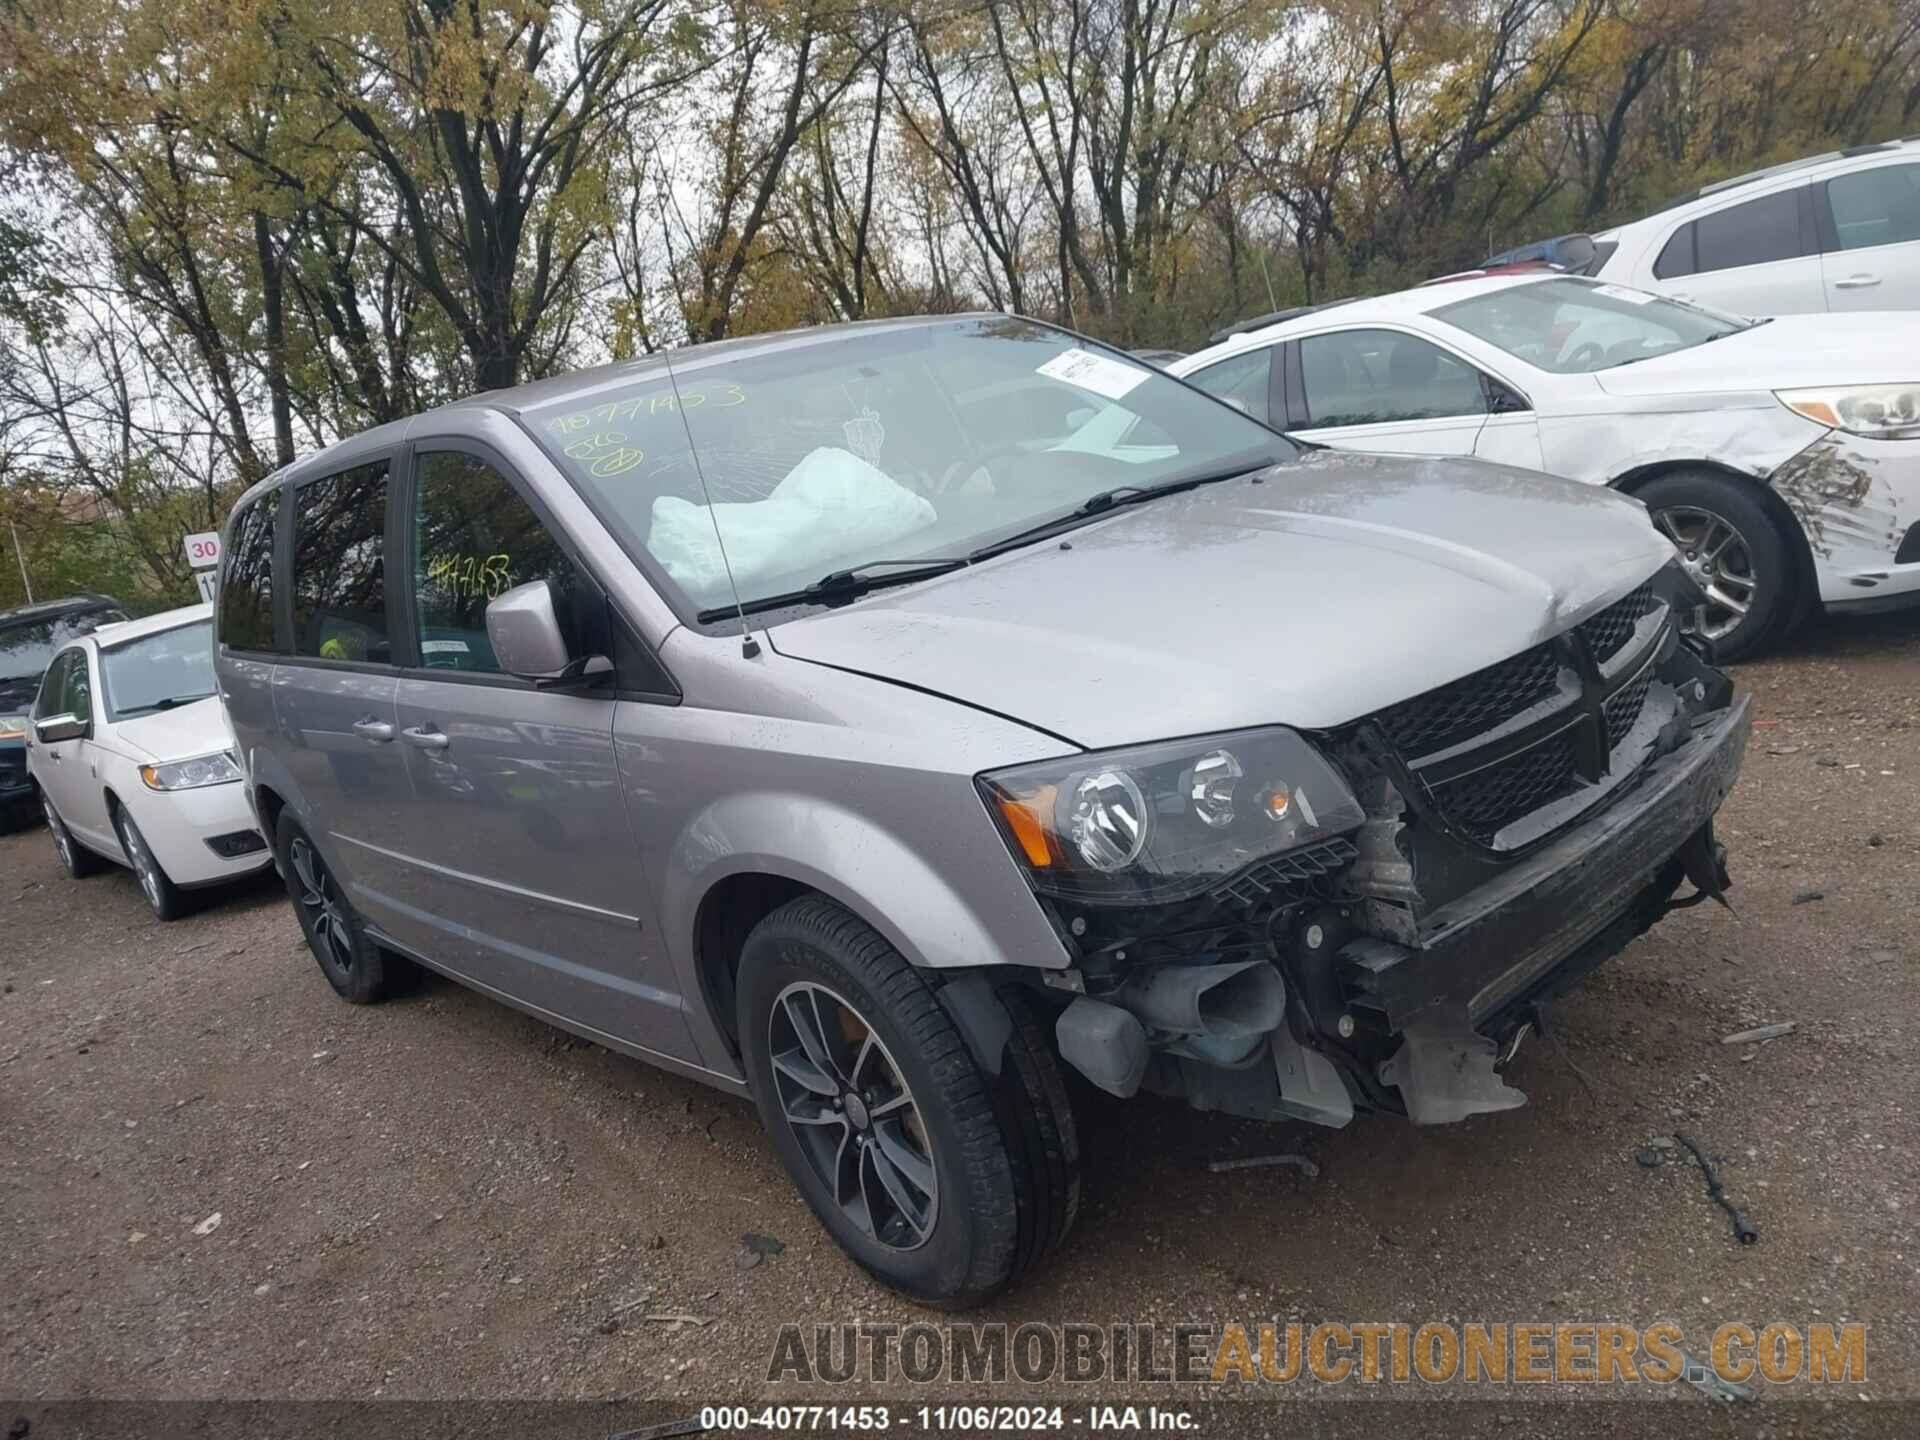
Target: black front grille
[1463,708]
[1441,736]
[1606,632]
[1484,802]
[1623,707]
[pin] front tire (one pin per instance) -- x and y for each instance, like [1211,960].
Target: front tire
[164,898]
[940,1180]
[1733,549]
[359,971]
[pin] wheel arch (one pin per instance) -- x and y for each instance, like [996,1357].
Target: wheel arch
[1806,582]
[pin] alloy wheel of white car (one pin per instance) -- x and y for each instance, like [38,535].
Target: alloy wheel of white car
[163,896]
[78,860]
[1717,556]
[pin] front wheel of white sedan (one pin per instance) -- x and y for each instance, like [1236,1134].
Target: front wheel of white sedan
[165,898]
[1733,549]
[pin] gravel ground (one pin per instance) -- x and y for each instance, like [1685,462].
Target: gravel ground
[439,1198]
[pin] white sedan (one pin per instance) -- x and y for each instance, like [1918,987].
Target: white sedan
[131,754]
[1781,456]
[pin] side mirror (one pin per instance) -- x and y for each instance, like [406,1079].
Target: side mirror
[55,728]
[524,631]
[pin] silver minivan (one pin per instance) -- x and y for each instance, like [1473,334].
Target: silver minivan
[901,723]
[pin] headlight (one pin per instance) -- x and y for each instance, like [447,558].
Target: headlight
[13,727]
[192,774]
[1155,823]
[1881,412]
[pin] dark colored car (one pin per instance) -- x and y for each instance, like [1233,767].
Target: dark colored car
[29,636]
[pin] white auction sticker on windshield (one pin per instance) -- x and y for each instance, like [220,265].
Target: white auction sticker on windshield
[1089,371]
[1632,297]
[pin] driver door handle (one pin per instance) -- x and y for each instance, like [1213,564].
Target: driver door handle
[378,731]
[423,738]
[1857,282]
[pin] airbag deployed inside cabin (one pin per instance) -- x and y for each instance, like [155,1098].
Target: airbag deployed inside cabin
[830,505]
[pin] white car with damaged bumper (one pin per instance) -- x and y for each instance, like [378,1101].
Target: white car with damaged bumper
[132,757]
[1781,456]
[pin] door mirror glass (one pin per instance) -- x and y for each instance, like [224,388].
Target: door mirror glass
[56,728]
[525,633]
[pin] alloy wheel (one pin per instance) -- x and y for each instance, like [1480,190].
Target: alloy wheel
[1717,556]
[856,1121]
[144,865]
[320,904]
[62,842]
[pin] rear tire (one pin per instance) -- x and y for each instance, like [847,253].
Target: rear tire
[78,860]
[1732,546]
[358,970]
[855,1064]
[164,898]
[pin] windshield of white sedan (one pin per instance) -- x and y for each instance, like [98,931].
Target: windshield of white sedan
[1574,327]
[896,444]
[158,672]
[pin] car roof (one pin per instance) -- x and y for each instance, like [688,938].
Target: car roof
[1396,305]
[52,609]
[1787,167]
[121,631]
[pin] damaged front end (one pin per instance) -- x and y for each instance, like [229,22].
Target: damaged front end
[1468,853]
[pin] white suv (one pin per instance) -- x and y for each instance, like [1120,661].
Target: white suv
[1839,231]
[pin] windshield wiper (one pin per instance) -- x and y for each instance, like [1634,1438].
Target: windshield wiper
[839,586]
[1105,500]
[167,704]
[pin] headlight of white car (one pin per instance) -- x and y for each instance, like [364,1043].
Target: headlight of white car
[1880,412]
[202,770]
[13,727]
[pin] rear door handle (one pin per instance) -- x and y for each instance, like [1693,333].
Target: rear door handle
[424,739]
[378,731]
[1857,282]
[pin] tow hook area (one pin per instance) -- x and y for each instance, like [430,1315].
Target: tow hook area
[1445,1075]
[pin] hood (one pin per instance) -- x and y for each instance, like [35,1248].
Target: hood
[1340,584]
[178,734]
[1781,354]
[16,694]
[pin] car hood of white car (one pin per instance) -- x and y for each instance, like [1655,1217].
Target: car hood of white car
[1784,353]
[181,733]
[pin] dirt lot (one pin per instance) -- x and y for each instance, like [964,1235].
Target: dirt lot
[439,1198]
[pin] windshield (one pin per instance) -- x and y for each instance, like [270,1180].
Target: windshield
[27,647]
[1574,327]
[157,672]
[892,444]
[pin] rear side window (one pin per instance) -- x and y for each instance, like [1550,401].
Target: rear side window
[1752,233]
[1676,257]
[246,585]
[1875,207]
[1243,382]
[475,539]
[1361,377]
[339,566]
